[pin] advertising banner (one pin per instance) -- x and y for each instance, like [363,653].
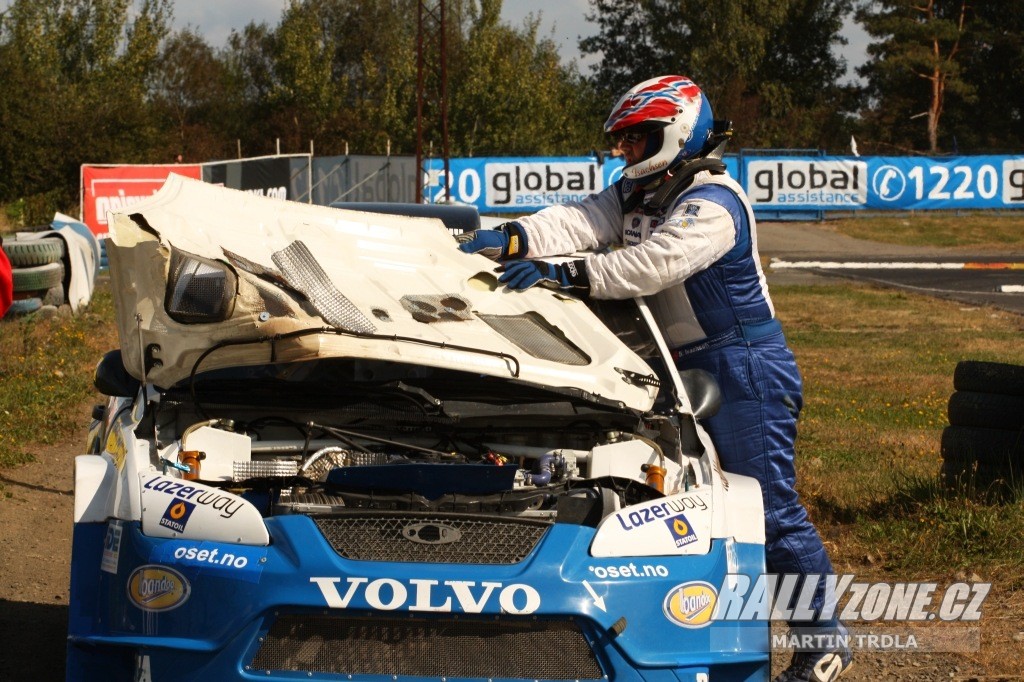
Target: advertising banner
[277,177]
[517,185]
[361,178]
[884,183]
[112,188]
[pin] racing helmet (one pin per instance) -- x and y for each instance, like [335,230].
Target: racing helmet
[675,108]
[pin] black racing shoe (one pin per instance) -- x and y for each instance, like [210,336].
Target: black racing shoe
[818,666]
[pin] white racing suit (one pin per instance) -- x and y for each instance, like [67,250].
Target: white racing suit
[697,263]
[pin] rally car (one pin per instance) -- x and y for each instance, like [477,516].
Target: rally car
[335,448]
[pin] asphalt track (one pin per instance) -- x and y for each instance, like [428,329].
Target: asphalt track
[811,253]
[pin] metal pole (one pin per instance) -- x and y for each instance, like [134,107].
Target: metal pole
[419,102]
[444,101]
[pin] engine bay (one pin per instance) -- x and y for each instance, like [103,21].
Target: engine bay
[420,443]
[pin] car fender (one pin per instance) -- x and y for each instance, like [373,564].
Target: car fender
[95,480]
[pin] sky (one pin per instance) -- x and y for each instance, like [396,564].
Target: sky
[563,21]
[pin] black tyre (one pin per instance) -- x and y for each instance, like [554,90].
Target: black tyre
[965,474]
[986,410]
[39,277]
[30,252]
[999,448]
[989,377]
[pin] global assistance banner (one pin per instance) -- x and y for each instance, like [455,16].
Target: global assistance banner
[518,184]
[776,183]
[884,183]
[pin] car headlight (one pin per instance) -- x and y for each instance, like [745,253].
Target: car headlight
[199,290]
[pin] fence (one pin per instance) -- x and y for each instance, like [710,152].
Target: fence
[781,184]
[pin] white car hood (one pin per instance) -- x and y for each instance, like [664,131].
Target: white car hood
[396,288]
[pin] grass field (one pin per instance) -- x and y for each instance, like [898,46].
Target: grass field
[948,229]
[46,369]
[877,366]
[878,372]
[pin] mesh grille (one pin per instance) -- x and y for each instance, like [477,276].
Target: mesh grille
[304,274]
[241,471]
[431,538]
[534,335]
[534,650]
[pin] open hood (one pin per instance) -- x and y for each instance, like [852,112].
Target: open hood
[206,277]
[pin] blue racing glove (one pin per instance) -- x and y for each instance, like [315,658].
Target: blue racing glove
[505,242]
[523,274]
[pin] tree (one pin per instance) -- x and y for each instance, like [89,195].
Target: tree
[625,30]
[511,94]
[344,74]
[190,92]
[305,86]
[992,61]
[802,100]
[77,75]
[248,61]
[766,64]
[914,66]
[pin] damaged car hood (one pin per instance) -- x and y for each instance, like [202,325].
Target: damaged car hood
[206,277]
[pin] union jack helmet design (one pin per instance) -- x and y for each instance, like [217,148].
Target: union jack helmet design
[678,107]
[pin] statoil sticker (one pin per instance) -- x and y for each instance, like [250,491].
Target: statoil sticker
[176,515]
[691,604]
[681,530]
[158,588]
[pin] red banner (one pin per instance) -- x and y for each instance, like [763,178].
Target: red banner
[112,188]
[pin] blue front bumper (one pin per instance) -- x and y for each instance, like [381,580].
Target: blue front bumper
[298,610]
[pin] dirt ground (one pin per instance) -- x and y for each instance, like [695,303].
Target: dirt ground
[36,506]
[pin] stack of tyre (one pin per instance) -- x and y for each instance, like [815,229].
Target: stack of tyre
[37,270]
[983,446]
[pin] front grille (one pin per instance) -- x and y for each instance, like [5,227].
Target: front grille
[431,538]
[534,650]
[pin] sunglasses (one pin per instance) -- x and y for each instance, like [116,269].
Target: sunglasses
[629,137]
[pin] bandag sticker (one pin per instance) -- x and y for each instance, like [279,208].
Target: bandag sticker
[157,588]
[691,604]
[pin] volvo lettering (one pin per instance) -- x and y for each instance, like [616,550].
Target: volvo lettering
[388,594]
